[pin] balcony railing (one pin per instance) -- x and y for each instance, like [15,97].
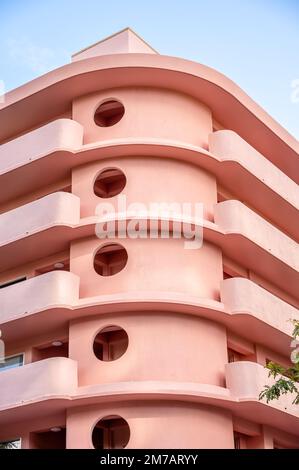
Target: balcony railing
[38,158]
[50,290]
[256,180]
[246,380]
[242,296]
[62,134]
[234,217]
[231,147]
[59,208]
[51,378]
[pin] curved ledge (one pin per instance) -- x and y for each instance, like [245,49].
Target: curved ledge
[37,152]
[247,178]
[56,289]
[235,218]
[243,297]
[23,316]
[54,377]
[252,376]
[257,244]
[270,252]
[56,209]
[55,387]
[229,146]
[56,90]
[246,380]
[239,232]
[59,135]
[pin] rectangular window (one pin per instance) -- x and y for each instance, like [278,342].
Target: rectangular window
[10,362]
[233,356]
[14,281]
[239,440]
[15,444]
[226,275]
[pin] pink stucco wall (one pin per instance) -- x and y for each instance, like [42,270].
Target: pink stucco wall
[153,337]
[150,267]
[157,425]
[137,170]
[150,113]
[182,309]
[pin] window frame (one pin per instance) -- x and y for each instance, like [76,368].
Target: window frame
[12,282]
[17,439]
[2,369]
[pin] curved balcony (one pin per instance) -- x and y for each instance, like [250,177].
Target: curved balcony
[246,380]
[56,289]
[55,148]
[252,325]
[257,180]
[272,256]
[206,85]
[245,298]
[250,318]
[50,379]
[52,384]
[255,243]
[25,158]
[26,230]
[248,179]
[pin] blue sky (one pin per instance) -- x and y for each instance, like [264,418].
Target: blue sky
[254,42]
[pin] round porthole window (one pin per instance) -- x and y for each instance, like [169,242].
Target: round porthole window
[110,259]
[109,183]
[109,113]
[110,343]
[111,432]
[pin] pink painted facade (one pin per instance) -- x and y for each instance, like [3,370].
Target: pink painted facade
[140,342]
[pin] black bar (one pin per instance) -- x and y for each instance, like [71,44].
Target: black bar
[143,458]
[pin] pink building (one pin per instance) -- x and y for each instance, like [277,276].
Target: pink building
[140,342]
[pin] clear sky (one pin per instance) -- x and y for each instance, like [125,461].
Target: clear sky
[253,42]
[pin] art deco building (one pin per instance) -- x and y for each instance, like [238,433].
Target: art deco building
[140,342]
